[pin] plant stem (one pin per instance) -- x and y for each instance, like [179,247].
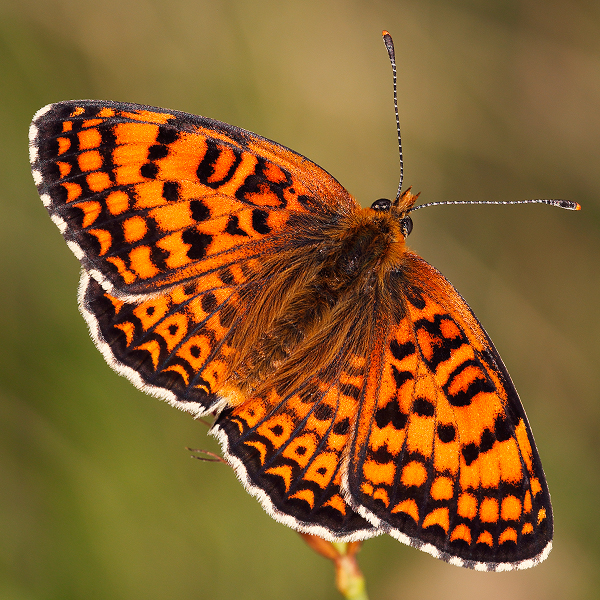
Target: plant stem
[348,576]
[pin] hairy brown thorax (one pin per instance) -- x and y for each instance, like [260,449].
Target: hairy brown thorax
[313,291]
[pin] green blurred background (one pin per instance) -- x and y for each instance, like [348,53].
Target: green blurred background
[499,100]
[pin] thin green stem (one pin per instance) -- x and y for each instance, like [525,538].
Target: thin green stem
[348,577]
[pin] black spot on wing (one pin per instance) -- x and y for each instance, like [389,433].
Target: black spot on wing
[390,413]
[401,351]
[446,432]
[171,191]
[149,170]
[206,171]
[199,242]
[157,151]
[470,453]
[200,212]
[477,384]
[401,377]
[209,302]
[259,221]
[167,135]
[233,226]
[423,407]
[323,412]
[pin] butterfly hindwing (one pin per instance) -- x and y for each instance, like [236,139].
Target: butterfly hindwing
[288,441]
[172,345]
[289,453]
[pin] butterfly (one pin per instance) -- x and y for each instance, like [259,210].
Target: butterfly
[354,391]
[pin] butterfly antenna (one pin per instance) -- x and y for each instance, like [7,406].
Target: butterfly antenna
[389,44]
[567,204]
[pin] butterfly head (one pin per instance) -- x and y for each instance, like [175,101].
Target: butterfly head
[399,209]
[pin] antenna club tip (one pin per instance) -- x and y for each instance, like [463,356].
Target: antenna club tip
[568,204]
[389,44]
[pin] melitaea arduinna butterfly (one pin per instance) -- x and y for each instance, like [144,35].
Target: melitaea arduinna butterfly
[355,392]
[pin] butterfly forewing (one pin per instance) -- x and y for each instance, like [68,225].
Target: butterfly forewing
[148,198]
[153,200]
[443,457]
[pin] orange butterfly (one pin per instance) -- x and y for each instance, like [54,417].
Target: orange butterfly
[355,392]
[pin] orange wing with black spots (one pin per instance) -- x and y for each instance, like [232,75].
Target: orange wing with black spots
[288,450]
[288,441]
[442,456]
[174,215]
[147,198]
[355,392]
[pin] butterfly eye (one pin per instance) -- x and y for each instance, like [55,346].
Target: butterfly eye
[406,225]
[382,204]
